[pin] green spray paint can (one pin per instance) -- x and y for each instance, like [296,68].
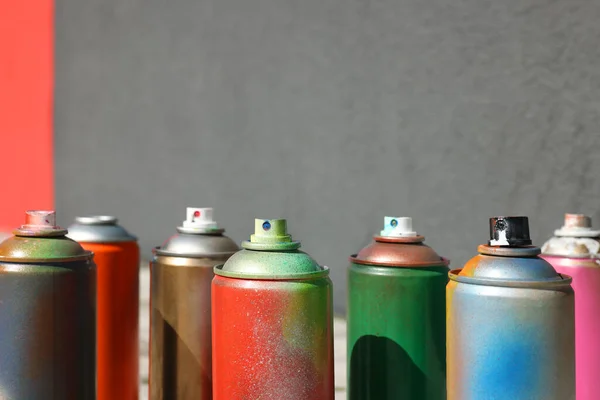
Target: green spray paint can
[272,325]
[396,318]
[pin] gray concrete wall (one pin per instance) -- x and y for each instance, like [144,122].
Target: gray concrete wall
[331,113]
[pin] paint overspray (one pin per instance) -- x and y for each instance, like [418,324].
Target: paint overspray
[575,250]
[272,321]
[181,273]
[47,314]
[117,259]
[396,317]
[510,322]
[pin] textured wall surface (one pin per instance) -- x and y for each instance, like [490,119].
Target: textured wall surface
[331,113]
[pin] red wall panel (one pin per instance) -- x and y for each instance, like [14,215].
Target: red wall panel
[26,83]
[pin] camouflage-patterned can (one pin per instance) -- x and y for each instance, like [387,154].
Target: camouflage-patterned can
[510,322]
[181,273]
[575,250]
[47,314]
[397,317]
[272,321]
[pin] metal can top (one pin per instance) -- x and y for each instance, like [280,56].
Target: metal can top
[509,259]
[99,229]
[39,239]
[270,254]
[200,236]
[398,246]
[575,239]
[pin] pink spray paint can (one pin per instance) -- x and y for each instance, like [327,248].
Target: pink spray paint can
[575,250]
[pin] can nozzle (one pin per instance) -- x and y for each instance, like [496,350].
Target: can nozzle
[35,219]
[40,223]
[509,231]
[577,225]
[270,231]
[199,218]
[398,227]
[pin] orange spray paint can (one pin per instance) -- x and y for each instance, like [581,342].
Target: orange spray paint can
[117,256]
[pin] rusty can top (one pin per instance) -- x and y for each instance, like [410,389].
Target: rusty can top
[398,245]
[271,254]
[198,237]
[509,259]
[99,229]
[39,239]
[576,239]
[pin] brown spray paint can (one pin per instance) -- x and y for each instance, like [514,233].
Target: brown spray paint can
[180,308]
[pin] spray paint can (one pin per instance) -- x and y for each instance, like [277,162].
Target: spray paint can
[180,323]
[397,317]
[272,321]
[575,250]
[510,322]
[117,259]
[47,314]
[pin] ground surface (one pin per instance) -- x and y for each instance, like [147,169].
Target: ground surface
[339,329]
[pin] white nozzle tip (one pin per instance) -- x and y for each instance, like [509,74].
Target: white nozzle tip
[398,227]
[199,218]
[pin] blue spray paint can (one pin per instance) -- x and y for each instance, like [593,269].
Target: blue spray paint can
[510,322]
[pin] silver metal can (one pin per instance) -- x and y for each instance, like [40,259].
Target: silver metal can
[510,322]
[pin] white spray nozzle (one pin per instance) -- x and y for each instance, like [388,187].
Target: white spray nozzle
[398,227]
[199,218]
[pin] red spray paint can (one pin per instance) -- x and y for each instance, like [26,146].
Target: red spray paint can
[272,321]
[117,258]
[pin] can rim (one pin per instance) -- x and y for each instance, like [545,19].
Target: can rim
[444,262]
[97,220]
[83,256]
[563,280]
[200,231]
[508,251]
[162,253]
[273,277]
[399,239]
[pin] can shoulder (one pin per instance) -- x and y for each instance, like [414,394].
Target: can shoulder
[509,268]
[399,254]
[197,245]
[271,262]
[26,249]
[110,233]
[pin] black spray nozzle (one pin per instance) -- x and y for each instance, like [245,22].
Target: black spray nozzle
[509,231]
